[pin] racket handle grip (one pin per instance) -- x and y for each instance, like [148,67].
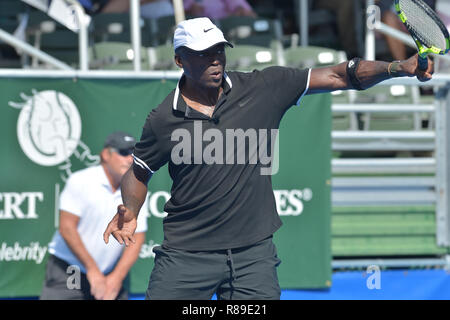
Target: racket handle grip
[423,63]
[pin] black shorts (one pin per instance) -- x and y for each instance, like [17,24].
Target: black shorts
[241,274]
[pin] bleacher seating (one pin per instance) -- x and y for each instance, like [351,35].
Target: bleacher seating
[164,28]
[112,55]
[53,38]
[9,14]
[312,56]
[161,57]
[10,11]
[249,57]
[251,31]
[321,26]
[115,27]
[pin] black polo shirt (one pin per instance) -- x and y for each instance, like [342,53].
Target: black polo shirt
[220,198]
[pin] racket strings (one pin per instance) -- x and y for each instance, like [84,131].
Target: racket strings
[423,25]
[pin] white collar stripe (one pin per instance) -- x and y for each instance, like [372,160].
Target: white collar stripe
[177,90]
[227,78]
[175,97]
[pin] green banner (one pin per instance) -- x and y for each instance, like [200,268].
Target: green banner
[50,128]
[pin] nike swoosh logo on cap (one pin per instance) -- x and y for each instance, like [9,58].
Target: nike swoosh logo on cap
[206,30]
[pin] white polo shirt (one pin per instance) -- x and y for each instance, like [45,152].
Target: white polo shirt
[88,195]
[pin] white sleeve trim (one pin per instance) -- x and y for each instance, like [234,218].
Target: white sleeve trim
[306,88]
[142,164]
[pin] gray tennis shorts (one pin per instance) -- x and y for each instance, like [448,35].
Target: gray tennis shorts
[57,283]
[235,274]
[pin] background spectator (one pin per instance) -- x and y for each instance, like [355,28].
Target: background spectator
[218,9]
[149,8]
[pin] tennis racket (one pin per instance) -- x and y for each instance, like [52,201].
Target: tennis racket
[425,27]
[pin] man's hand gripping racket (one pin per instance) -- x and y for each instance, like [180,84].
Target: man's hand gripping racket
[427,30]
[122,226]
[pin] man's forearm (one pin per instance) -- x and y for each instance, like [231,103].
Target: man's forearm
[129,257]
[133,191]
[364,74]
[370,73]
[73,240]
[79,250]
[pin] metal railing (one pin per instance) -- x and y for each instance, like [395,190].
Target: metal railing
[83,47]
[384,182]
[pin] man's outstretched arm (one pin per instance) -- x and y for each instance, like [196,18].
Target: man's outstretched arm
[124,223]
[363,74]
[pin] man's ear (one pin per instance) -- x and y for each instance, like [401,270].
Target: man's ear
[105,154]
[178,61]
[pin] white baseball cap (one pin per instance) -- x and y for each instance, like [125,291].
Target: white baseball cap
[198,34]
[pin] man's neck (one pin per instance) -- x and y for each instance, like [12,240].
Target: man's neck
[200,95]
[202,99]
[113,181]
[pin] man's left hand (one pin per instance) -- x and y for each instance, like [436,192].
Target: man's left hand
[410,68]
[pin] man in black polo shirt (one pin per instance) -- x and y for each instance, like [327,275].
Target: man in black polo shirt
[216,130]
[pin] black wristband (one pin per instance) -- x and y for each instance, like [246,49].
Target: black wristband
[352,67]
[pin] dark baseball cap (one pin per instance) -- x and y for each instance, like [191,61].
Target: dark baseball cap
[121,141]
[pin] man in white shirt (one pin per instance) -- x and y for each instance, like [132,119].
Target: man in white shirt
[87,203]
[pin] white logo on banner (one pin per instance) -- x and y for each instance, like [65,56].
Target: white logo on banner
[49,131]
[48,127]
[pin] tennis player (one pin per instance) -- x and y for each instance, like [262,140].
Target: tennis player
[222,213]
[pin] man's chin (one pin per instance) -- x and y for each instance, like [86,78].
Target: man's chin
[214,83]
